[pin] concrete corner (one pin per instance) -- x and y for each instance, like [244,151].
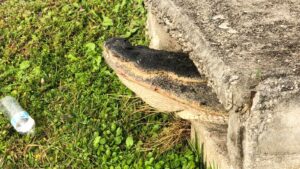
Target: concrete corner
[249,51]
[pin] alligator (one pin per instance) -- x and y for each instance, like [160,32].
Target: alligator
[244,101]
[168,81]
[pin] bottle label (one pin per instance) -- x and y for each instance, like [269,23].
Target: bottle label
[19,116]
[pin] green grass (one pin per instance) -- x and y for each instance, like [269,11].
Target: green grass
[51,60]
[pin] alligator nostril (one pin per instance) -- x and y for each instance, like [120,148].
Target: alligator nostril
[203,102]
[118,43]
[122,43]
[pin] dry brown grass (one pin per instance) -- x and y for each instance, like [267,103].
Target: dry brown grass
[174,133]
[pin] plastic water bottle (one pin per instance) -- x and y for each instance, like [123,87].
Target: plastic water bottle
[19,118]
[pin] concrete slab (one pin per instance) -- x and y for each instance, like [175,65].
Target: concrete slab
[160,39]
[212,137]
[249,51]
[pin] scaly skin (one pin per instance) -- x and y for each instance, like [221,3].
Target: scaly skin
[167,81]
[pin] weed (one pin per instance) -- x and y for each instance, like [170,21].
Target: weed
[51,61]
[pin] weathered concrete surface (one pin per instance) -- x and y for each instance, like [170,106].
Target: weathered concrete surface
[249,50]
[212,138]
[160,39]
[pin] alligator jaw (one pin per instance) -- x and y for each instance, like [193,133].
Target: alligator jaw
[174,85]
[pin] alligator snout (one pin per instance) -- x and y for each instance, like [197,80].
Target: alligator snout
[167,81]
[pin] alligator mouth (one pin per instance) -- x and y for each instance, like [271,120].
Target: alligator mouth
[165,80]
